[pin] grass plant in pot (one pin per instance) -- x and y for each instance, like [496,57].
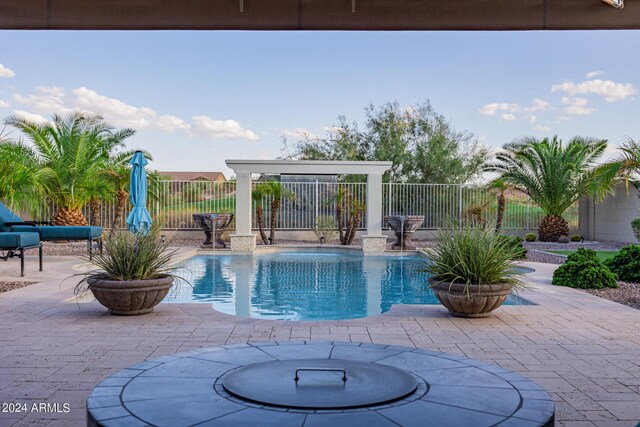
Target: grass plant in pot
[472,270]
[133,275]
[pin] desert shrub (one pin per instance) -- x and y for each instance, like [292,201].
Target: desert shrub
[563,239]
[626,265]
[530,237]
[584,270]
[576,238]
[516,243]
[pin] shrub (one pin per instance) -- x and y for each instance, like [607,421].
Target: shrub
[563,239]
[473,256]
[576,238]
[626,265]
[516,242]
[584,270]
[530,237]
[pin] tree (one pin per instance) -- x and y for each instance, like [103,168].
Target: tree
[259,192]
[499,186]
[66,155]
[421,144]
[629,161]
[555,176]
[347,202]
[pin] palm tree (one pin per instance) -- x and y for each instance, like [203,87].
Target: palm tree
[500,186]
[67,154]
[258,194]
[629,160]
[18,182]
[555,176]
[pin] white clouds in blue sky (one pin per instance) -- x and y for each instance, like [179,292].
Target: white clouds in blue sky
[196,98]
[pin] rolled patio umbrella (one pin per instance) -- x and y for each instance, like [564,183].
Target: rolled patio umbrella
[139,218]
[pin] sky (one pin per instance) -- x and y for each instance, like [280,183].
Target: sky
[198,98]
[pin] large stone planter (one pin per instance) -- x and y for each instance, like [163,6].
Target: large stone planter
[472,300]
[128,298]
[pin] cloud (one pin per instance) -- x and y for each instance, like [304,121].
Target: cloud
[508,117]
[298,133]
[215,129]
[30,116]
[594,74]
[45,100]
[6,72]
[611,91]
[493,108]
[4,104]
[537,105]
[53,99]
[576,106]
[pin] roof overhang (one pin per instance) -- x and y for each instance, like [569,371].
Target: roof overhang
[309,167]
[317,15]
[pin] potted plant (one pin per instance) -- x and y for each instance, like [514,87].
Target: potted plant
[473,270]
[133,275]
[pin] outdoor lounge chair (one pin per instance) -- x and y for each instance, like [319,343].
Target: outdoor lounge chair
[12,242]
[48,232]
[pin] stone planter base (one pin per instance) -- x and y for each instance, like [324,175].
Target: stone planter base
[243,243]
[374,244]
[470,302]
[128,298]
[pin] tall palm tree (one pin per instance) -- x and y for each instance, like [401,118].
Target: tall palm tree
[555,176]
[69,152]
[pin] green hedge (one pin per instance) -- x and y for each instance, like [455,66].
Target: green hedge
[584,270]
[626,265]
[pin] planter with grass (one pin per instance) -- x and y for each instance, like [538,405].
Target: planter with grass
[472,270]
[133,275]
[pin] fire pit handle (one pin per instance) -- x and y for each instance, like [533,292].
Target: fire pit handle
[344,372]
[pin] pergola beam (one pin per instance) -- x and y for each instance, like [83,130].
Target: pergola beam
[317,15]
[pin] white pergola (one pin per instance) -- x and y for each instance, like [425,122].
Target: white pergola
[245,241]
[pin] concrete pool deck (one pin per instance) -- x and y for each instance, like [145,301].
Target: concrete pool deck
[584,350]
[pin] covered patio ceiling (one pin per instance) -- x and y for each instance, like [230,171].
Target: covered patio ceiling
[317,15]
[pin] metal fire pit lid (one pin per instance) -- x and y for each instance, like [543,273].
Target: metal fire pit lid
[319,383]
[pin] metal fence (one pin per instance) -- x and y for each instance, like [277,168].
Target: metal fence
[303,204]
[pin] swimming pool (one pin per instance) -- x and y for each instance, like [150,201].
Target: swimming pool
[303,285]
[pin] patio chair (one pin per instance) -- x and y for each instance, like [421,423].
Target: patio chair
[48,232]
[12,242]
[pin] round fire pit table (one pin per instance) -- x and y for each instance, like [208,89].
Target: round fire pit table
[317,384]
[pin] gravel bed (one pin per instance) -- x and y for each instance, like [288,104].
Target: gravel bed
[596,246]
[9,286]
[534,255]
[626,293]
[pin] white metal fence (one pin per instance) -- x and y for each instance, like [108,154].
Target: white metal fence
[302,203]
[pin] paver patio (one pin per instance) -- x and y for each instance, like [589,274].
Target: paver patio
[583,349]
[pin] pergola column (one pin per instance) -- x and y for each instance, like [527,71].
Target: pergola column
[243,240]
[374,241]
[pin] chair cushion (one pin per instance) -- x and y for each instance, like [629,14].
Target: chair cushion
[7,216]
[62,232]
[10,240]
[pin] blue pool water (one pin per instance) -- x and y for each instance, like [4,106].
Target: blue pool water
[305,285]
